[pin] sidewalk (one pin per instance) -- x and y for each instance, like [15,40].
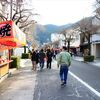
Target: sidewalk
[20,84]
[95,63]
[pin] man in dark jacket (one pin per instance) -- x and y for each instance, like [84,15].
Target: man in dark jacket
[49,55]
[33,59]
[41,58]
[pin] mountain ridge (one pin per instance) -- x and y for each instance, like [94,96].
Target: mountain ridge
[45,35]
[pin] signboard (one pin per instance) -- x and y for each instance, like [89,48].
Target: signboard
[6,30]
[11,35]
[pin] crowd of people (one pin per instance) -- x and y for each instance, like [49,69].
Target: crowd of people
[63,61]
[42,56]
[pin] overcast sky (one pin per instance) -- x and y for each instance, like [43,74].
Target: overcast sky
[60,12]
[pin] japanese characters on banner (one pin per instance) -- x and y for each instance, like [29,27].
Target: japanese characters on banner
[11,35]
[6,30]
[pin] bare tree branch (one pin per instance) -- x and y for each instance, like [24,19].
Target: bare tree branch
[3,17]
[26,24]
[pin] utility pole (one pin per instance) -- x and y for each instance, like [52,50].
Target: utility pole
[10,51]
[11,2]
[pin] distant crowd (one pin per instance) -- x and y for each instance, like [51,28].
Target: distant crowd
[40,56]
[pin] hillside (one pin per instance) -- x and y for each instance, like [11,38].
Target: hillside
[45,35]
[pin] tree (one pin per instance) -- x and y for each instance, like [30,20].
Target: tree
[22,17]
[20,14]
[69,36]
[97,11]
[87,29]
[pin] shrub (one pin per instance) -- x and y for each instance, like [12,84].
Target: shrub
[25,55]
[89,58]
[16,62]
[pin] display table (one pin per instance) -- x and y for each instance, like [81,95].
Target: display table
[4,68]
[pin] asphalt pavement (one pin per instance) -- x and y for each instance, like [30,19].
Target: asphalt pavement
[95,63]
[24,84]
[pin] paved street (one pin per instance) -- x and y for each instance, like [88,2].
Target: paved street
[95,63]
[48,88]
[88,73]
[43,85]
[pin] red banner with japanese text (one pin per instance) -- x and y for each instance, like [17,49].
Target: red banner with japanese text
[11,36]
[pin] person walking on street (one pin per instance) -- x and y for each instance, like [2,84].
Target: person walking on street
[33,59]
[64,61]
[49,55]
[41,58]
[37,57]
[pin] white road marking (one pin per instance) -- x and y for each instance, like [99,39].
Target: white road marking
[85,84]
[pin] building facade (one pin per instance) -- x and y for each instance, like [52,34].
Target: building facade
[94,41]
[95,45]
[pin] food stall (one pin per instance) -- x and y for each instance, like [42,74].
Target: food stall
[10,37]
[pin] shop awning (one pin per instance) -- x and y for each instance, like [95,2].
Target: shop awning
[3,47]
[11,36]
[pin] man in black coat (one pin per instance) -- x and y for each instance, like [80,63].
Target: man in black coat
[49,55]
